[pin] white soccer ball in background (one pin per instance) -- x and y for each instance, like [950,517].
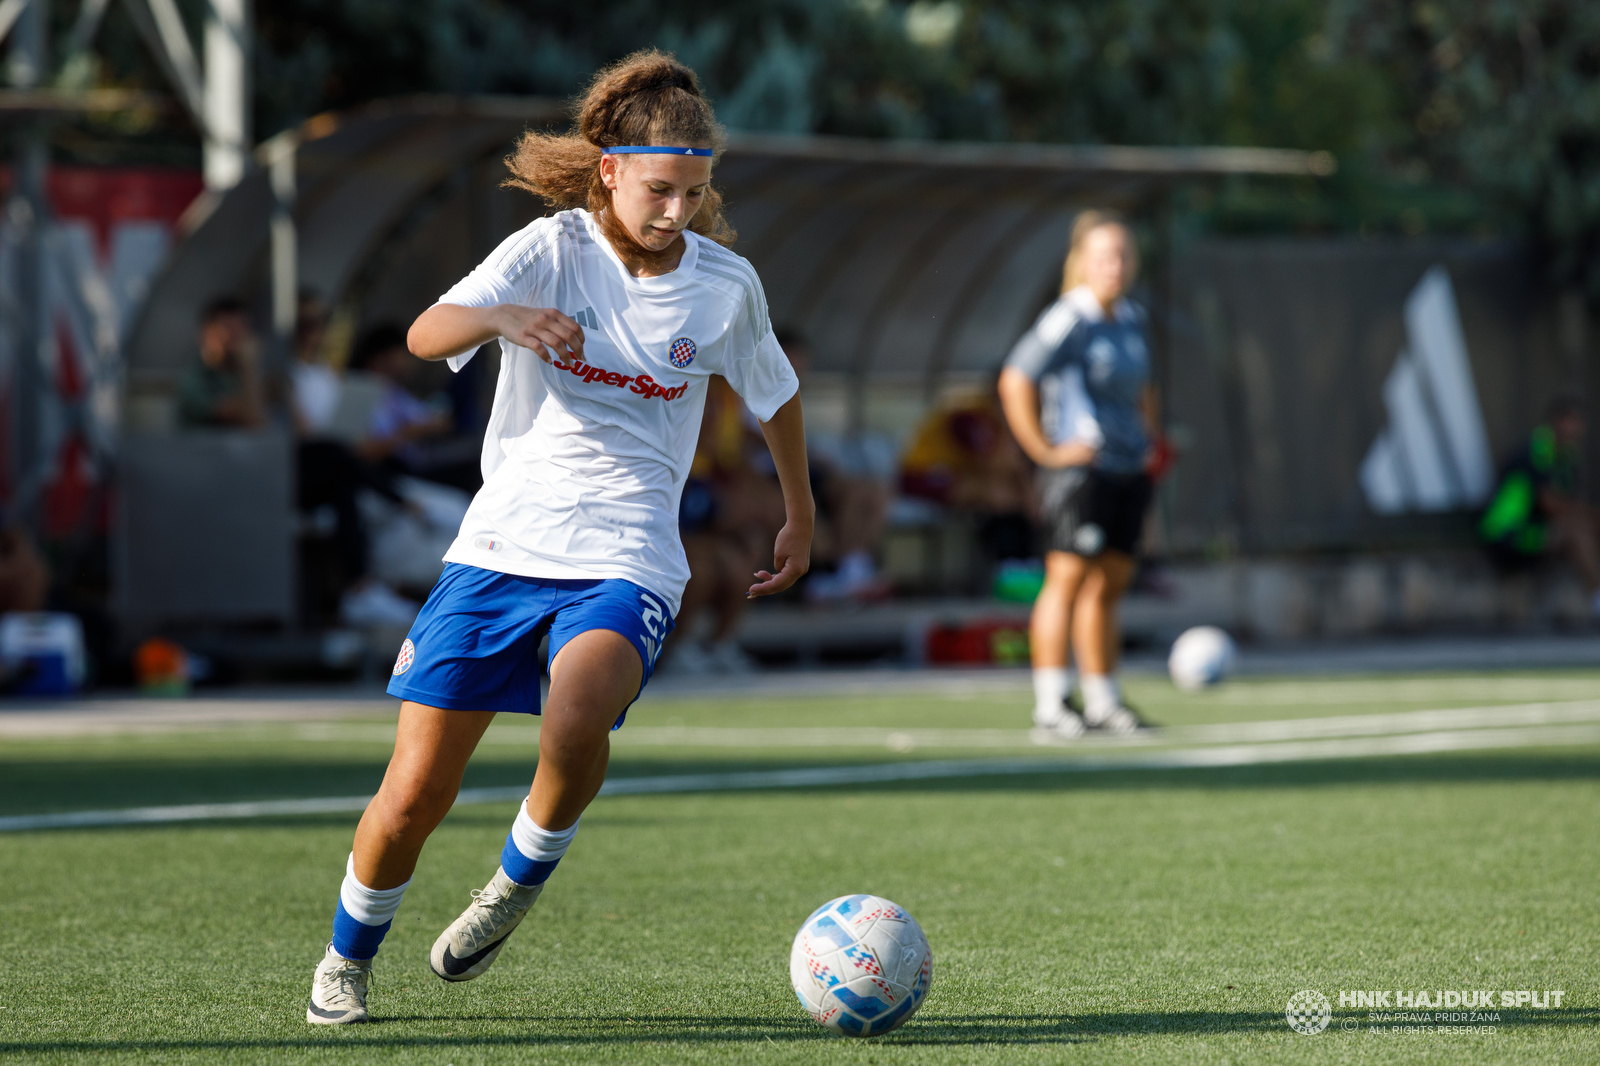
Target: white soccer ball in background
[860,966]
[1202,656]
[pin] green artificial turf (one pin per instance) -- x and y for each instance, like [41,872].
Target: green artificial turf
[1117,917]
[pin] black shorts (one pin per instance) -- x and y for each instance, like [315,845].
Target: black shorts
[1088,511]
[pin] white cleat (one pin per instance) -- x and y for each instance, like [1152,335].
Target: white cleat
[339,990]
[1069,726]
[469,946]
[1121,722]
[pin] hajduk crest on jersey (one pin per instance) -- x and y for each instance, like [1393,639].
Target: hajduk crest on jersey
[681,353]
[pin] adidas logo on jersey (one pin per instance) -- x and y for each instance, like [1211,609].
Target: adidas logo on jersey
[586,319]
[642,385]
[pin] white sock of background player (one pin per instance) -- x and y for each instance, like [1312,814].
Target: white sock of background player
[1050,687]
[1101,697]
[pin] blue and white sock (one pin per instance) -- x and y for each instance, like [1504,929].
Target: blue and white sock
[363,915]
[531,853]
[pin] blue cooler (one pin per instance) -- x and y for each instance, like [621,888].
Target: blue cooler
[42,653]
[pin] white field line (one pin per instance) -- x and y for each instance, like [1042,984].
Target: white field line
[103,717]
[1177,758]
[967,739]
[1324,690]
[120,716]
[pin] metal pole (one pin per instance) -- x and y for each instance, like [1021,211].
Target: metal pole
[227,93]
[281,152]
[26,217]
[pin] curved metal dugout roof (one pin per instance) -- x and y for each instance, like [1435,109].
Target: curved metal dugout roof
[897,259]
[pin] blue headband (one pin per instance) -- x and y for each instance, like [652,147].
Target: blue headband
[642,149]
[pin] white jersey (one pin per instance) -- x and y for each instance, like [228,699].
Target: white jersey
[584,460]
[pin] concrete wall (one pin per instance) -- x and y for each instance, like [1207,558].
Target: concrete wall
[1362,596]
[1274,383]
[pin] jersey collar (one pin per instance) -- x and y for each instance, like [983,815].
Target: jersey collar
[666,282]
[1083,301]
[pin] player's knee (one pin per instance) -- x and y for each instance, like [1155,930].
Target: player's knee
[417,807]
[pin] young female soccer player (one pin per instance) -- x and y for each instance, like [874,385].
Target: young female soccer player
[1076,391]
[611,316]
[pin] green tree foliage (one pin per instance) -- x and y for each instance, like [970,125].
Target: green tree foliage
[1252,72]
[1501,98]
[1445,115]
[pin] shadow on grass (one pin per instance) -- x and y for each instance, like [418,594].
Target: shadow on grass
[600,1030]
[60,784]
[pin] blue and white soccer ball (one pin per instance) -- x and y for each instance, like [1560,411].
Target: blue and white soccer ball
[1201,657]
[861,966]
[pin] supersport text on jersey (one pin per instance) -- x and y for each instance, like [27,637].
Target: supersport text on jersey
[643,385]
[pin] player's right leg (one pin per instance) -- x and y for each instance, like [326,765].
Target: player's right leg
[1048,639]
[431,750]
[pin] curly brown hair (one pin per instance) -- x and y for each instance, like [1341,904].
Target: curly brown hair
[649,98]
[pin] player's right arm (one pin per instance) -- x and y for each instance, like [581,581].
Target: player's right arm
[1038,352]
[1019,398]
[446,329]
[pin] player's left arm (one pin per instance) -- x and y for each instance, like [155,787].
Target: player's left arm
[1150,409]
[791,554]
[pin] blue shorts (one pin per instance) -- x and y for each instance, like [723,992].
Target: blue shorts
[475,645]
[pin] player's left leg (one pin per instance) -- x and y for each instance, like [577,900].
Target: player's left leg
[593,679]
[1048,629]
[1097,641]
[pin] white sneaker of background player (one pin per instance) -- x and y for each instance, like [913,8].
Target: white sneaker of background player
[728,658]
[1119,722]
[339,990]
[374,603]
[1064,724]
[687,657]
[471,943]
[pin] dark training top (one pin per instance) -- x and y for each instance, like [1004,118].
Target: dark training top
[1091,371]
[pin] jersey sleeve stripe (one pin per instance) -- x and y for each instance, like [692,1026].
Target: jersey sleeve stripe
[750,287]
[1038,349]
[713,253]
[519,258]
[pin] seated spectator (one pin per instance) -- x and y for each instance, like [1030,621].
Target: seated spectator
[330,476]
[964,458]
[1536,512]
[400,424]
[223,387]
[316,385]
[729,514]
[852,509]
[24,575]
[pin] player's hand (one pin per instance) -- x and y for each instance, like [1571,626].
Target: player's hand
[1161,457]
[1072,453]
[546,332]
[791,556]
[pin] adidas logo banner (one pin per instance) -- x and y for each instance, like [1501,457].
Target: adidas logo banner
[1434,453]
